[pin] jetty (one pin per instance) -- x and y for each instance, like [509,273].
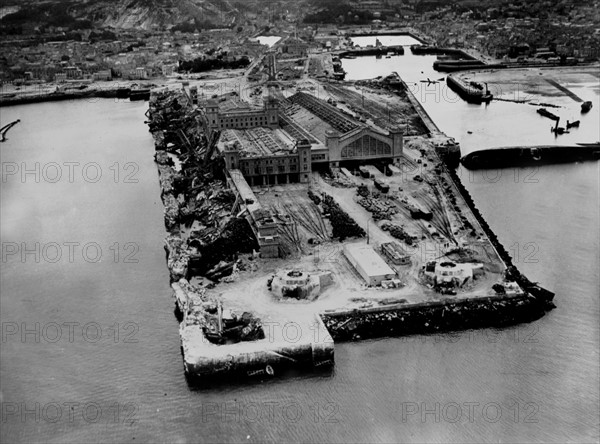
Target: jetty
[5,129]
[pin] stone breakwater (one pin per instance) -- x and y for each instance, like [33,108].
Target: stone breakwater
[433,317]
[90,94]
[544,296]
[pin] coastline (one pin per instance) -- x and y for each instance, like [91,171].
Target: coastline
[50,92]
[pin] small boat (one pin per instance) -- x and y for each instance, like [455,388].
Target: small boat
[559,130]
[573,124]
[586,106]
[544,112]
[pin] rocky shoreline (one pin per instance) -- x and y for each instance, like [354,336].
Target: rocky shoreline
[204,238]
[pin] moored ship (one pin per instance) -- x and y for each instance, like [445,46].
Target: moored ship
[454,65]
[471,92]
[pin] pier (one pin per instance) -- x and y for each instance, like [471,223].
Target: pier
[290,342]
[567,91]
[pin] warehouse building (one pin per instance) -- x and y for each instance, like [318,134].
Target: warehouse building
[368,263]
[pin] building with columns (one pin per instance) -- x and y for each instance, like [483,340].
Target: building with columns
[235,114]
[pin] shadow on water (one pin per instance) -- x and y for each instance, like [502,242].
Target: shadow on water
[232,381]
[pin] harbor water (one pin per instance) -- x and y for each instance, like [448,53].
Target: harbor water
[115,374]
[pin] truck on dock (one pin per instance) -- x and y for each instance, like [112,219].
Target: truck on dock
[394,170]
[364,172]
[381,185]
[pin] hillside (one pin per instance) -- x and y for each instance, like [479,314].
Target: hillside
[122,14]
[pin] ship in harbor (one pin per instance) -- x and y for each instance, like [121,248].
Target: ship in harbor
[527,156]
[472,92]
[457,65]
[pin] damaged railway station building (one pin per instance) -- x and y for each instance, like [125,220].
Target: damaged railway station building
[282,142]
[287,138]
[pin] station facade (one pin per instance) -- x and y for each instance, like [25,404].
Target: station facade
[262,145]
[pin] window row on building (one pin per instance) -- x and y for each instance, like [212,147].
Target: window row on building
[242,121]
[366,146]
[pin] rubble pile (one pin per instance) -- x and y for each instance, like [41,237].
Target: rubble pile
[362,190]
[398,232]
[314,197]
[198,206]
[338,180]
[204,236]
[177,257]
[220,326]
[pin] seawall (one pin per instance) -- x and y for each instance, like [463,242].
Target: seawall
[56,97]
[433,317]
[381,50]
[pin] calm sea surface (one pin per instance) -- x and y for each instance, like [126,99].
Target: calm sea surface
[83,259]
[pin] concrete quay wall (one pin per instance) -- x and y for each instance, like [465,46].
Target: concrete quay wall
[376,33]
[22,99]
[433,317]
[289,344]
